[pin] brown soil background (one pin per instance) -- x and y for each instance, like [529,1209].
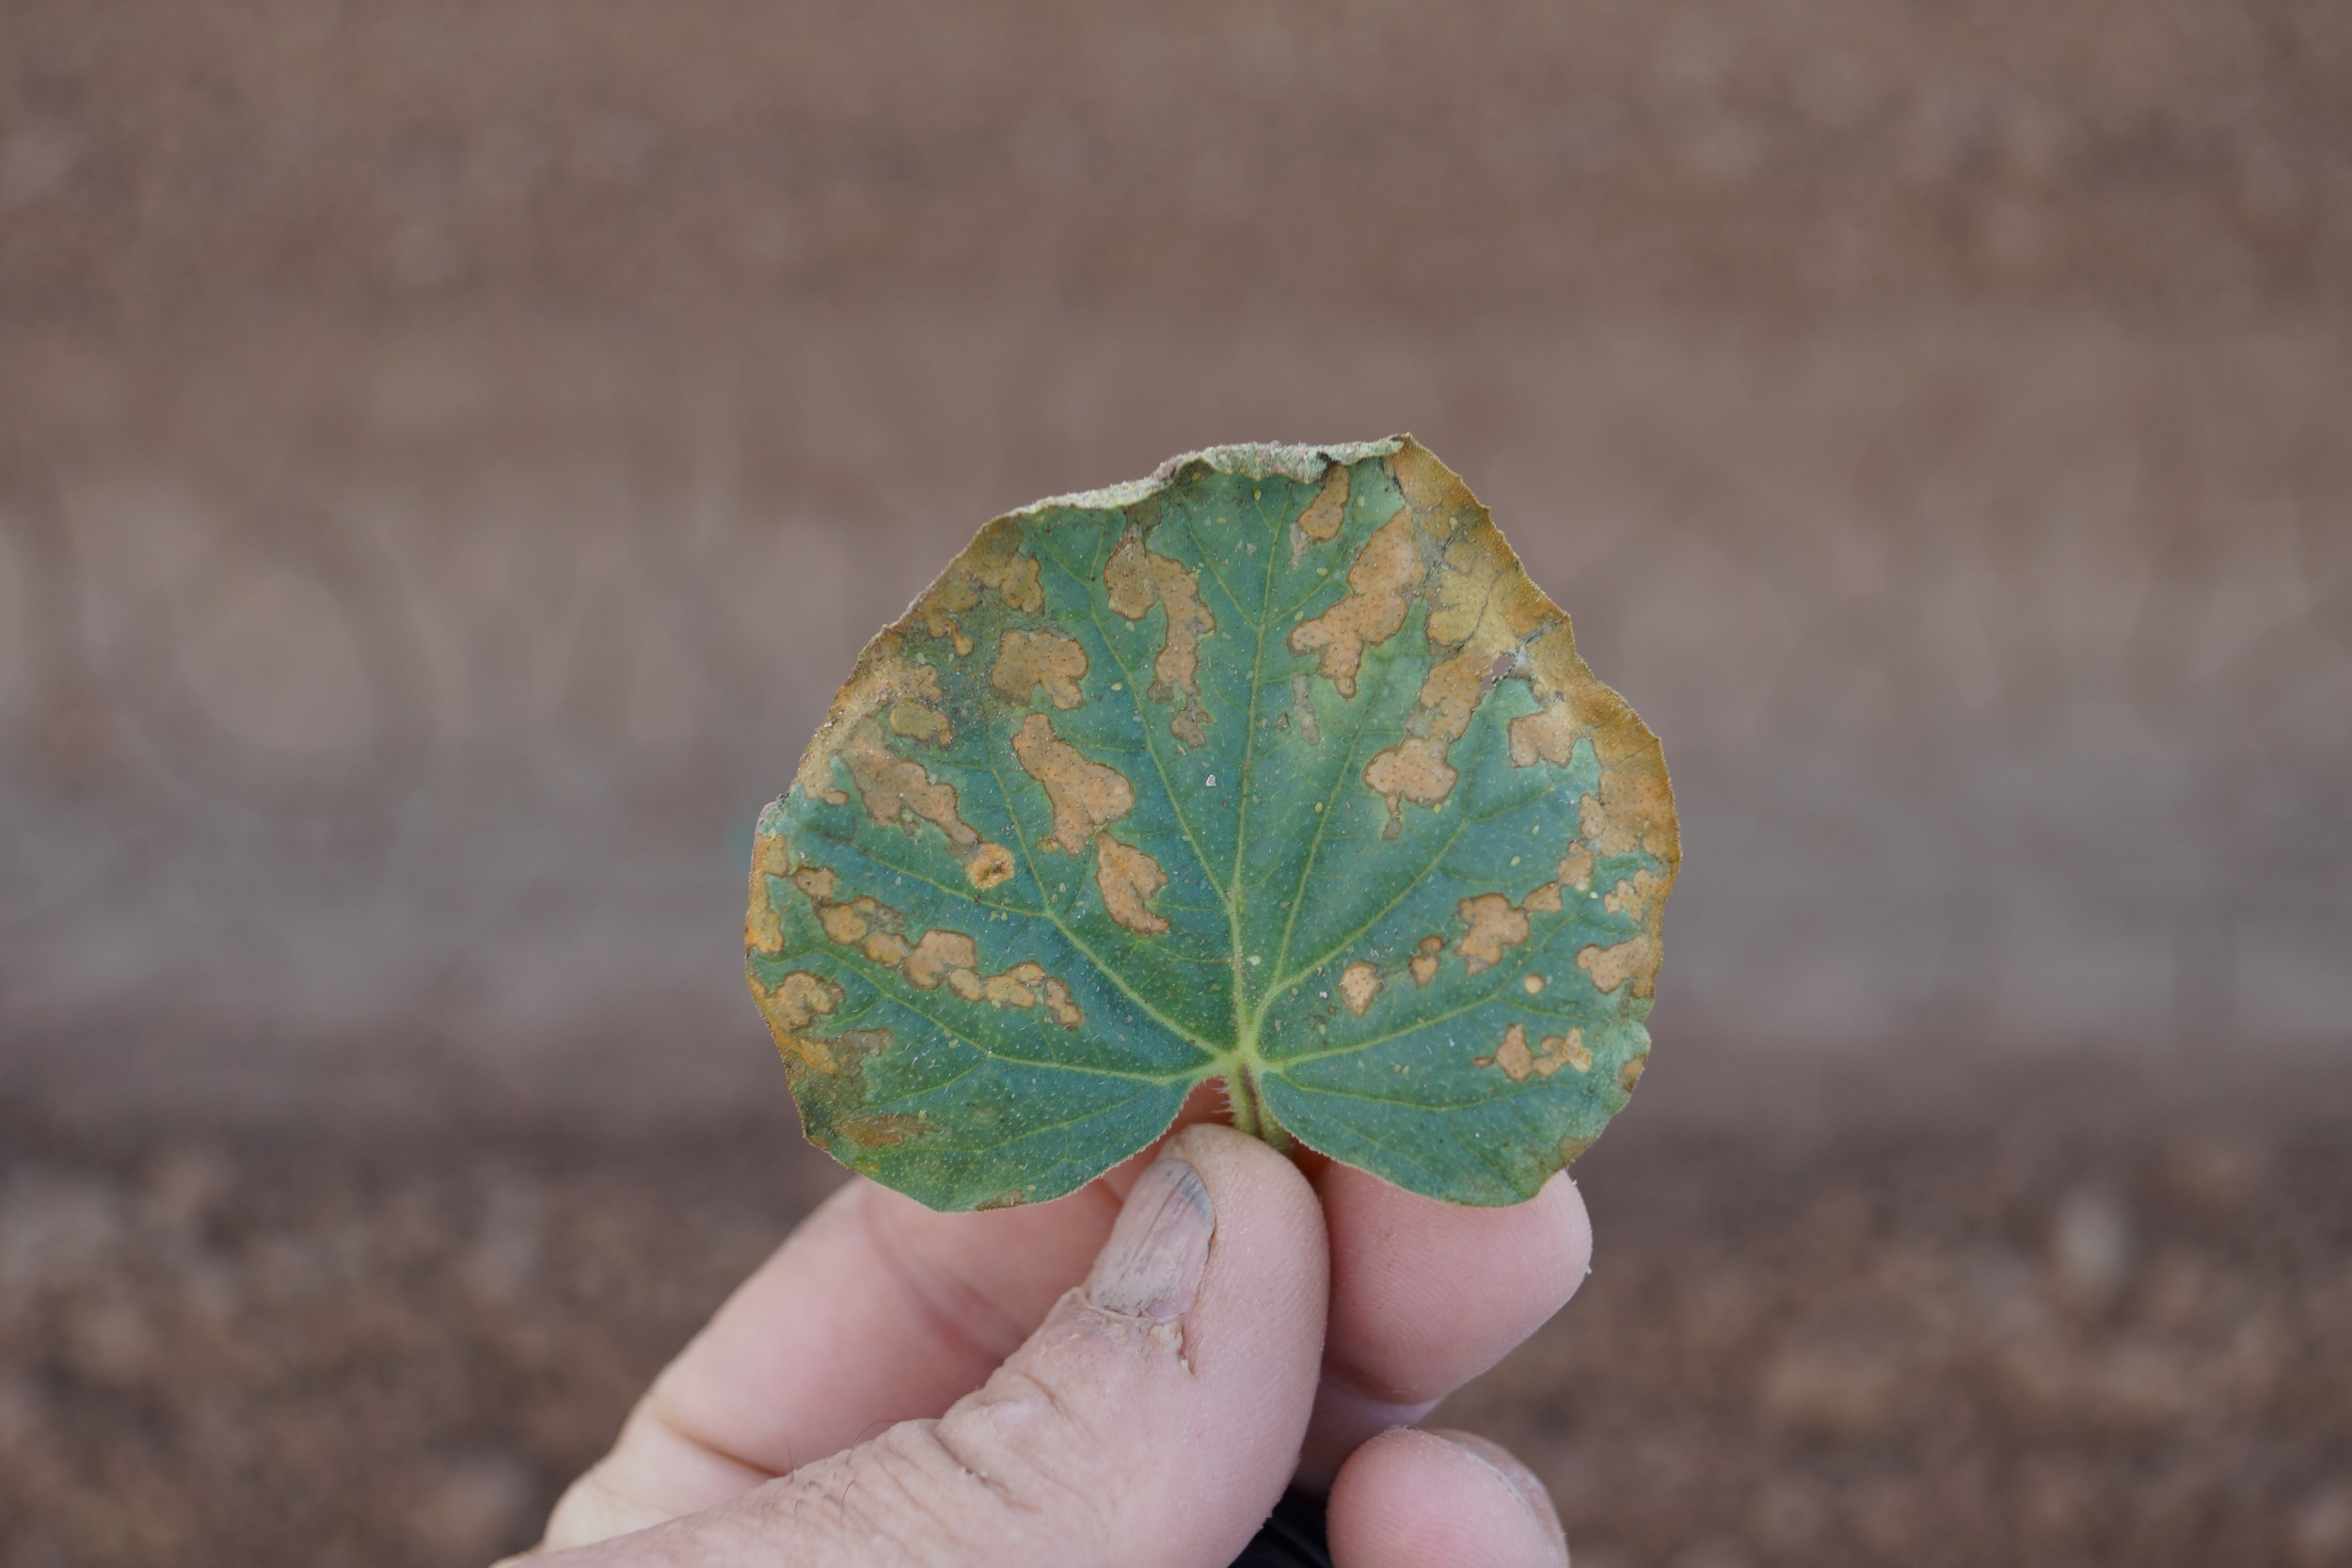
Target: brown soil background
[447,455]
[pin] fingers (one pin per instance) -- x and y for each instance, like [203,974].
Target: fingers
[1409,1498]
[1427,1295]
[1152,1419]
[876,1310]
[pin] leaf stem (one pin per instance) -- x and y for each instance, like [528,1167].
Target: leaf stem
[1249,1108]
[1241,1101]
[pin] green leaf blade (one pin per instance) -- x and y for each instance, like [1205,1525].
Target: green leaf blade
[1275,769]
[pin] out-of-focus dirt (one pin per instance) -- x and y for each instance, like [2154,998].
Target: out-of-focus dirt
[2100,1336]
[448,454]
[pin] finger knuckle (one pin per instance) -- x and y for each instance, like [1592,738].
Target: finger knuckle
[936,1494]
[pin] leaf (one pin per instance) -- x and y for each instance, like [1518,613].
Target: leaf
[1274,768]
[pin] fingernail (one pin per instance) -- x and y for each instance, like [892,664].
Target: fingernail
[1151,1266]
[1518,1477]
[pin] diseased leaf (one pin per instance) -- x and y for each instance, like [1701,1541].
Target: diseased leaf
[1274,768]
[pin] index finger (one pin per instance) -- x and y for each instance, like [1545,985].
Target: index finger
[875,1310]
[1427,1295]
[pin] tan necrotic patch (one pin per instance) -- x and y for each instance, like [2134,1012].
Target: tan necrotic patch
[1136,579]
[1481,611]
[940,958]
[893,694]
[1358,985]
[1028,660]
[1025,985]
[994,563]
[795,1003]
[1633,809]
[940,954]
[763,923]
[1494,924]
[1520,1063]
[1635,959]
[900,792]
[1422,965]
[1380,584]
[881,1130]
[1128,878]
[1086,796]
[1321,521]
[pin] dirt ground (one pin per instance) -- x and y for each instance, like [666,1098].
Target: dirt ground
[2110,1334]
[449,454]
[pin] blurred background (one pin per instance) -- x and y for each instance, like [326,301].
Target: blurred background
[449,454]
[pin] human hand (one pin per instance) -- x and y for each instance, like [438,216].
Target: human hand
[896,1384]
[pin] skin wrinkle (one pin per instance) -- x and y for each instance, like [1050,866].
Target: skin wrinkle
[1062,1493]
[890,1460]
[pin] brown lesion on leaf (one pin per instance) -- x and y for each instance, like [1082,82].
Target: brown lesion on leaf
[1630,1073]
[791,1007]
[892,693]
[1128,878]
[1422,965]
[881,1129]
[1520,1063]
[940,954]
[993,562]
[1380,583]
[941,958]
[1635,893]
[900,792]
[1632,811]
[1494,923]
[1636,958]
[1415,770]
[1027,659]
[1483,610]
[1086,796]
[917,722]
[1321,521]
[1358,985]
[1136,578]
[1532,984]
[1643,895]
[1025,985]
[763,922]
[895,685]
[1486,622]
[1403,560]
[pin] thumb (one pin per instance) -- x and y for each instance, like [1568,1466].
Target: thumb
[1152,1420]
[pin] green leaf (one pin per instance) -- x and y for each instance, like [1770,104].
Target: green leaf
[1274,770]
